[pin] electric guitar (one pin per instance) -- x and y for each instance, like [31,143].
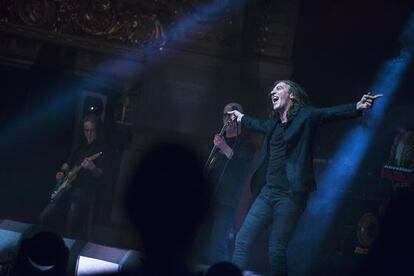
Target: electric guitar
[66,183]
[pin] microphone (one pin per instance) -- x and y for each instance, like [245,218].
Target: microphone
[232,117]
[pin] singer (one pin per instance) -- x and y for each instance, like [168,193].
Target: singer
[228,169]
[284,174]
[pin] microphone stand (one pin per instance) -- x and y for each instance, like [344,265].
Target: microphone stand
[214,149]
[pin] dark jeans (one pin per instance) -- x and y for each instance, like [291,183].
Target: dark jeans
[279,210]
[67,217]
[220,234]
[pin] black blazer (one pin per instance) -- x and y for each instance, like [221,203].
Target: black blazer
[298,136]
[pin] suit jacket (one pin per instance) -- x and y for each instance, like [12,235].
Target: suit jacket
[299,135]
[230,175]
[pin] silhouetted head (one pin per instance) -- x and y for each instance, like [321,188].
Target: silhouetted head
[168,199]
[224,269]
[45,253]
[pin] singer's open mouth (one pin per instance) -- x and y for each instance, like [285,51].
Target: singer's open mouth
[275,99]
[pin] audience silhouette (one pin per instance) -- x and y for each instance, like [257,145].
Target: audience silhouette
[224,269]
[45,253]
[167,201]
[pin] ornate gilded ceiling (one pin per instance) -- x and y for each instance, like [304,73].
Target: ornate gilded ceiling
[225,28]
[134,23]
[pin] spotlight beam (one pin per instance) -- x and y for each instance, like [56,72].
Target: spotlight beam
[323,205]
[26,123]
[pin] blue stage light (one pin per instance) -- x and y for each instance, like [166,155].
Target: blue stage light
[322,208]
[28,122]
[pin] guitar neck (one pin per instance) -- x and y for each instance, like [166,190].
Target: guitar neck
[65,184]
[75,170]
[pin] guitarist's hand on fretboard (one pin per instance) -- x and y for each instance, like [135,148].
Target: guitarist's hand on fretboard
[66,182]
[88,164]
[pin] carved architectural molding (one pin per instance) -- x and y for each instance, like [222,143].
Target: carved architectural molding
[123,23]
[107,29]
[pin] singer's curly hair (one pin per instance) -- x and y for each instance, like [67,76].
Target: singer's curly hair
[300,98]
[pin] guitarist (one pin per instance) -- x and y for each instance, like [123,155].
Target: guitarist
[71,212]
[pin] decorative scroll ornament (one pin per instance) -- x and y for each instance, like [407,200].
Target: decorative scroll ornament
[34,12]
[101,19]
[138,23]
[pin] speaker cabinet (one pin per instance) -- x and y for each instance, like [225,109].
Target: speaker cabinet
[361,224]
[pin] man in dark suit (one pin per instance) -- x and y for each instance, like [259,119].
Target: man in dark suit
[284,174]
[229,169]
